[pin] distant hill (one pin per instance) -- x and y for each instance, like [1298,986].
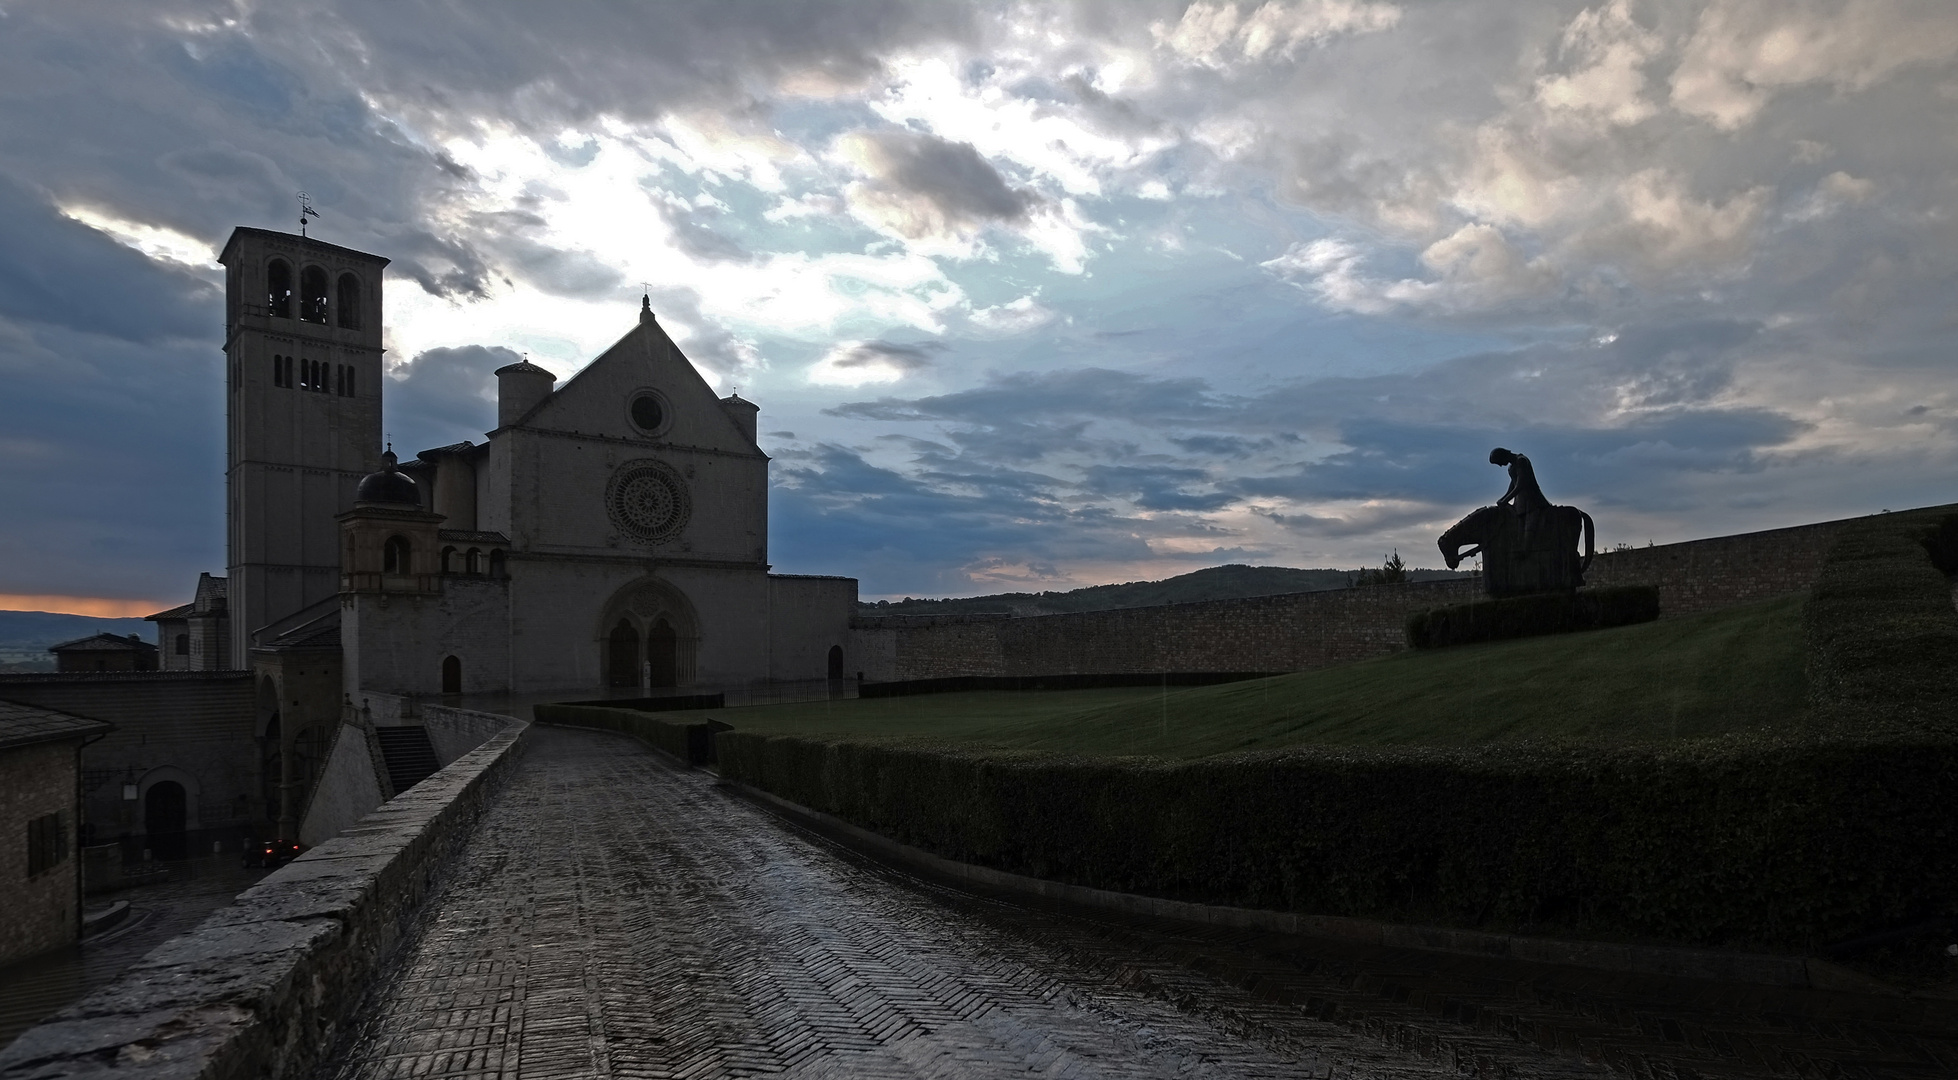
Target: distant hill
[26,635]
[1214,583]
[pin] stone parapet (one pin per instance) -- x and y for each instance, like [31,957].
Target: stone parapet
[259,988]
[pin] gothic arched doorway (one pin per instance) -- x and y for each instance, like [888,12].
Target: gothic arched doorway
[622,655]
[165,811]
[663,653]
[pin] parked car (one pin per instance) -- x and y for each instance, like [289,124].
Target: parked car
[270,853]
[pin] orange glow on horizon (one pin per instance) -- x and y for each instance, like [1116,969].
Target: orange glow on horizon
[96,606]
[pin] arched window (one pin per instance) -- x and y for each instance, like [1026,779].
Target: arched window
[183,645]
[288,372]
[278,289]
[350,380]
[394,556]
[498,567]
[340,380]
[278,370]
[349,302]
[475,561]
[448,560]
[451,675]
[312,295]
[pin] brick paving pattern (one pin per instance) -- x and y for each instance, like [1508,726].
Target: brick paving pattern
[614,915]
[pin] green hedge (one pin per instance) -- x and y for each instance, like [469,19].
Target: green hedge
[692,743]
[1730,842]
[1531,616]
[1881,633]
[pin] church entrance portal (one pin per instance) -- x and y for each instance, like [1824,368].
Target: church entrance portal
[648,637]
[623,661]
[164,814]
[663,654]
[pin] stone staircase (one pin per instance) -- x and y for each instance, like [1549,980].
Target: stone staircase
[409,755]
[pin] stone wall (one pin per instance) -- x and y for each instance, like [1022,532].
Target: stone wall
[259,988]
[1304,631]
[37,780]
[195,727]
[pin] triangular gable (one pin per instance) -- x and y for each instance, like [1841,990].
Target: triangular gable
[597,400]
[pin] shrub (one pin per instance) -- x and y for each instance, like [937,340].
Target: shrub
[1531,616]
[1728,843]
[1881,633]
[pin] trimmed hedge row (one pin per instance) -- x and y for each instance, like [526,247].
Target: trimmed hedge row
[1738,842]
[691,743]
[1531,616]
[1726,843]
[1881,633]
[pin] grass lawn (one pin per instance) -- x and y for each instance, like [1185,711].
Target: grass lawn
[1730,670]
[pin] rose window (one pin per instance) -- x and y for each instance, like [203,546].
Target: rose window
[648,500]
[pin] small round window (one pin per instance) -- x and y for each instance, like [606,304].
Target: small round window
[649,413]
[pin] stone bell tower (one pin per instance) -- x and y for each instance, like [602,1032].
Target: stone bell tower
[303,357]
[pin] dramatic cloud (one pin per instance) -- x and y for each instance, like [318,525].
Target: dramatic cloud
[1049,294]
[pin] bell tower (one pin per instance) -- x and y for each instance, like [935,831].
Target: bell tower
[303,405]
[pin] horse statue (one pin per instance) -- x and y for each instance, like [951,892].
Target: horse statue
[1549,563]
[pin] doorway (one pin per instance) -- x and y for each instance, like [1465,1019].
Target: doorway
[622,661]
[451,675]
[164,815]
[836,661]
[663,653]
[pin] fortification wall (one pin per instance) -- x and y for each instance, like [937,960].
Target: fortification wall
[1304,631]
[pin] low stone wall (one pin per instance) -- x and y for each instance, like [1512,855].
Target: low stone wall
[1304,631]
[259,988]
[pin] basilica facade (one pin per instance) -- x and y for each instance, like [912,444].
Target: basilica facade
[610,535]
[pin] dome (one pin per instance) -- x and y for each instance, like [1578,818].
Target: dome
[390,486]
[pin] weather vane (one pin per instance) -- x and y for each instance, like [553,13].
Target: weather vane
[305,211]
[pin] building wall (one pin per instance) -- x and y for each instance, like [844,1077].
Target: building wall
[199,724]
[807,615]
[41,915]
[1304,631]
[396,643]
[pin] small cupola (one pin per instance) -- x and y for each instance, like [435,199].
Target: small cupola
[743,412]
[519,387]
[389,487]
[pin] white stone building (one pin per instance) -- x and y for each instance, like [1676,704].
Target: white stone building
[610,534]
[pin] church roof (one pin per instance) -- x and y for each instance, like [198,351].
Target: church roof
[181,611]
[104,643]
[463,447]
[25,725]
[320,633]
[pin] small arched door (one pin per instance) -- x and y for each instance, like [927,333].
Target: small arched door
[164,813]
[663,653]
[622,659]
[836,661]
[451,675]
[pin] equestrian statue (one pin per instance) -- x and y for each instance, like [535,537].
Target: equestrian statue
[1526,544]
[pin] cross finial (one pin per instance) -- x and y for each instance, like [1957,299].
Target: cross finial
[305,211]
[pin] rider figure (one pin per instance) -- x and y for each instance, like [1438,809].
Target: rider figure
[1523,496]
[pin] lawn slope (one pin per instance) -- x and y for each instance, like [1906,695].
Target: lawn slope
[1731,670]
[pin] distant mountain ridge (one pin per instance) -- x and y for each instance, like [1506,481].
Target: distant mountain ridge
[1213,583]
[26,635]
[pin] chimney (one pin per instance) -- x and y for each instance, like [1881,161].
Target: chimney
[519,387]
[742,412]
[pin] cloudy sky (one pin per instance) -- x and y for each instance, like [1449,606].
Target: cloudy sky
[1031,295]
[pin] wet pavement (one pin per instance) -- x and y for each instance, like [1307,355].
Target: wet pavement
[614,915]
[45,984]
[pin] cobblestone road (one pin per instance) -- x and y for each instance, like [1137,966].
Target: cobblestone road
[616,916]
